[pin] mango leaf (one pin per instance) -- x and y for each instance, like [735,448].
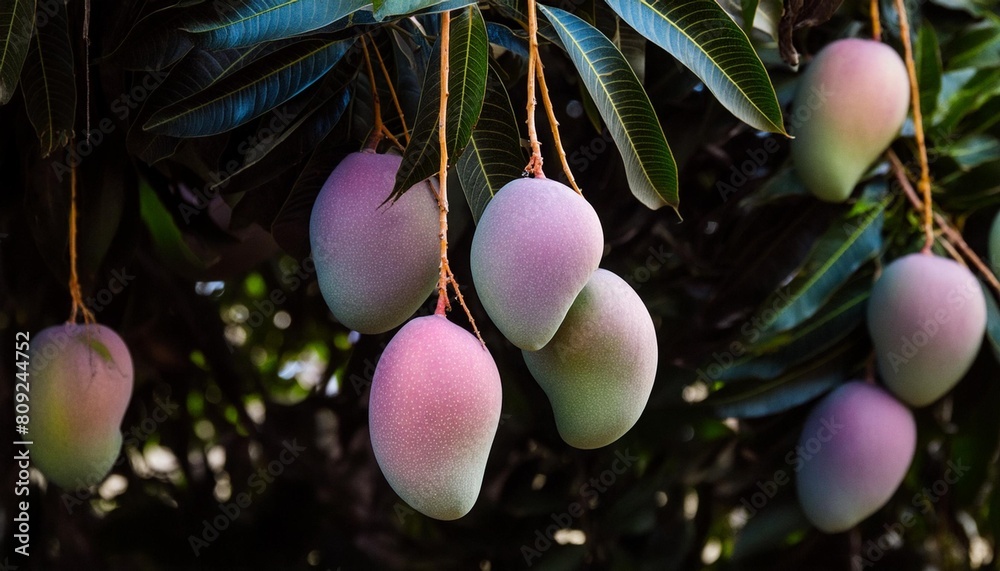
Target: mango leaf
[974,150]
[625,107]
[49,83]
[976,46]
[247,22]
[504,37]
[167,237]
[928,64]
[493,157]
[962,92]
[251,91]
[748,8]
[17,18]
[704,38]
[847,244]
[467,55]
[752,398]
[389,8]
[155,42]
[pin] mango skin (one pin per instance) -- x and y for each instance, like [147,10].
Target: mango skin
[376,264]
[850,105]
[599,368]
[535,247]
[81,381]
[433,412]
[866,440]
[926,317]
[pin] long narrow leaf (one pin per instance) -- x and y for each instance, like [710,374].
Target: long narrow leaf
[49,83]
[17,18]
[625,107]
[247,22]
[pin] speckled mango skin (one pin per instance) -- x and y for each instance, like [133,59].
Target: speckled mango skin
[599,368]
[376,264]
[926,317]
[534,249]
[865,440]
[850,105]
[433,412]
[81,383]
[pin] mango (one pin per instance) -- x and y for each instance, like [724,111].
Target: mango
[994,245]
[433,412]
[854,451]
[849,106]
[598,369]
[80,384]
[926,317]
[535,247]
[376,264]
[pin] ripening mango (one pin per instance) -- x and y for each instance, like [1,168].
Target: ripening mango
[81,383]
[534,249]
[926,317]
[994,245]
[854,451]
[376,263]
[598,369]
[849,106]
[433,412]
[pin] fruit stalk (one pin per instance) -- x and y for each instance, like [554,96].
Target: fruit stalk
[74,279]
[379,129]
[534,167]
[876,22]
[924,183]
[392,92]
[442,193]
[553,122]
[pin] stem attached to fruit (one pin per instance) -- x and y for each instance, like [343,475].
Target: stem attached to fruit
[534,167]
[392,92]
[379,129]
[75,291]
[951,235]
[553,122]
[876,22]
[442,193]
[924,184]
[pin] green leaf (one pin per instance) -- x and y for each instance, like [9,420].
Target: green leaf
[976,46]
[749,10]
[963,92]
[928,64]
[247,22]
[974,150]
[704,38]
[167,237]
[155,42]
[17,18]
[49,83]
[625,107]
[467,64]
[847,244]
[250,91]
[389,8]
[493,157]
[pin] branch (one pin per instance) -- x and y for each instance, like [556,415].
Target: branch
[442,194]
[392,91]
[553,122]
[534,167]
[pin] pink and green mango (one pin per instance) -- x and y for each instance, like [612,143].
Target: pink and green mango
[433,412]
[376,263]
[534,249]
[598,369]
[81,383]
[850,105]
[854,451]
[926,317]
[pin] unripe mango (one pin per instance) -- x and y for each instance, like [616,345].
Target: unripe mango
[926,317]
[854,451]
[849,106]
[534,249]
[994,245]
[433,412]
[81,383]
[598,369]
[376,264]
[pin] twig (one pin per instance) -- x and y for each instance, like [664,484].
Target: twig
[950,234]
[924,183]
[534,167]
[75,291]
[392,91]
[553,122]
[378,130]
[876,22]
[442,194]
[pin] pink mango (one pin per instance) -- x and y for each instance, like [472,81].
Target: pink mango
[535,247]
[433,412]
[376,263]
[926,317]
[854,451]
[849,106]
[81,383]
